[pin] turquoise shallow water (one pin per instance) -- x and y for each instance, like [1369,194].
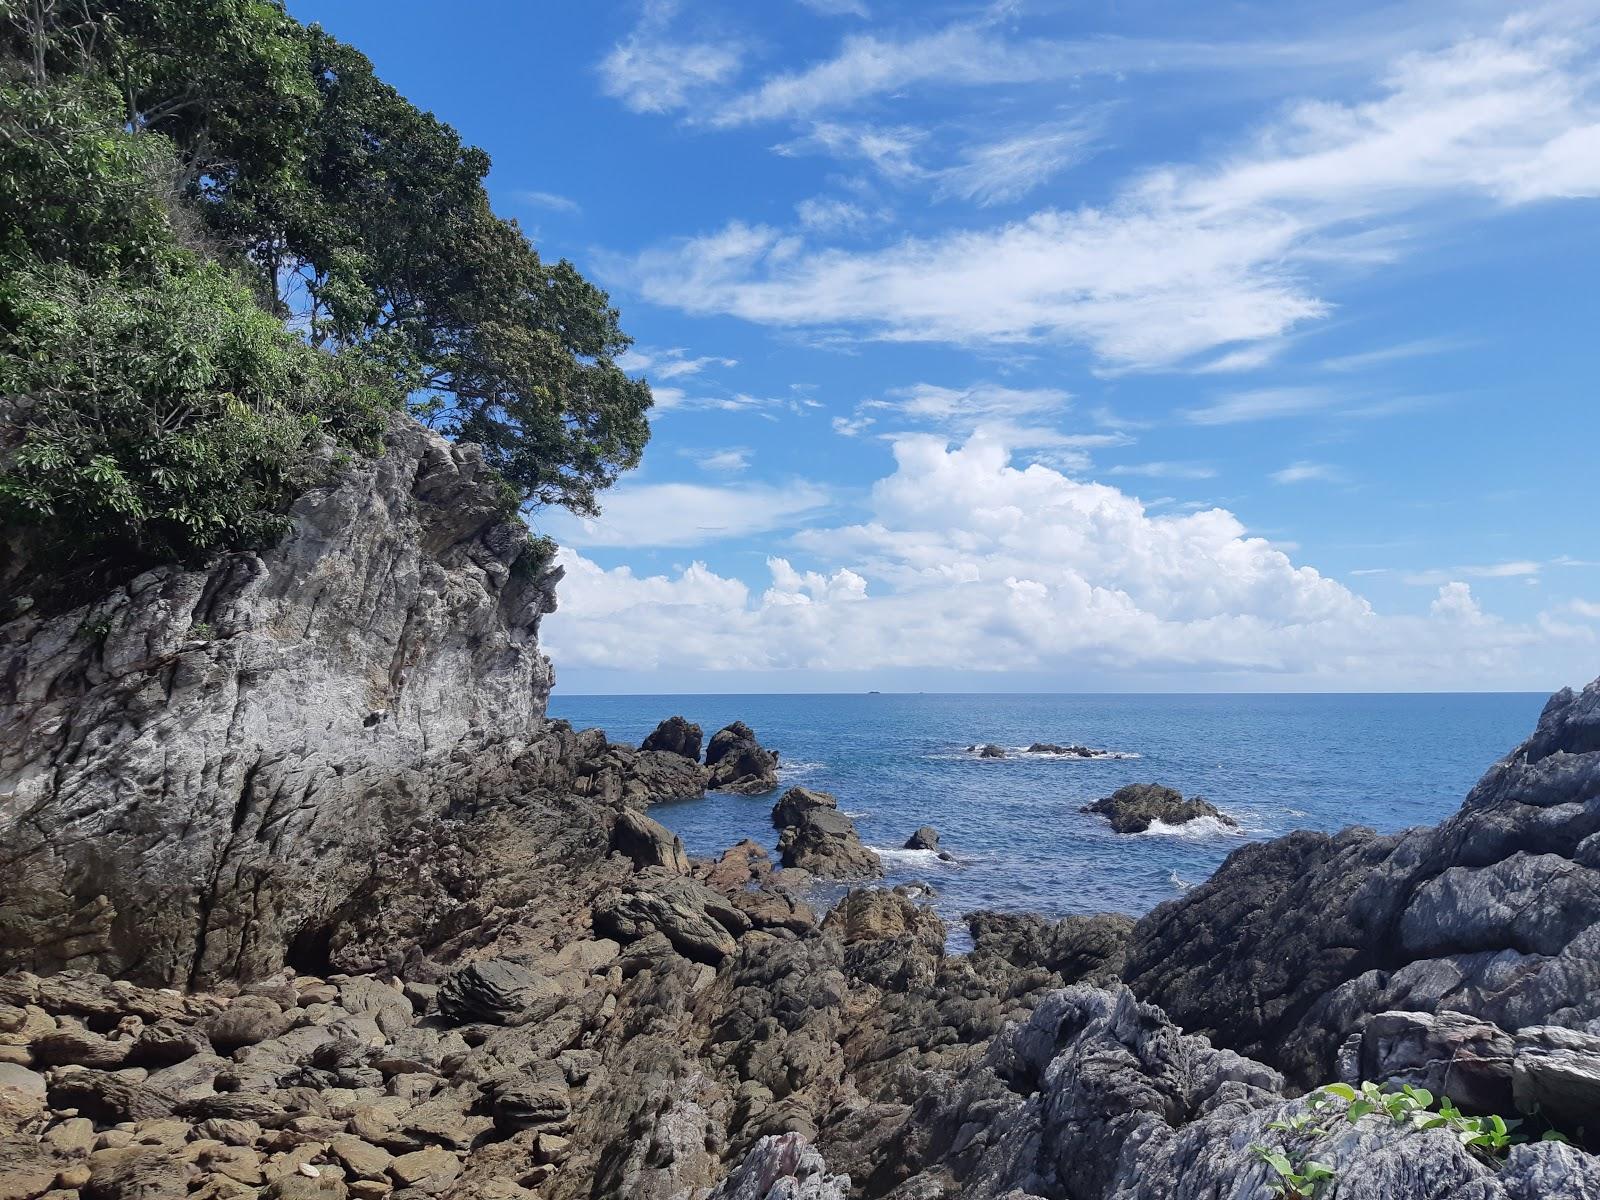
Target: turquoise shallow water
[1274,763]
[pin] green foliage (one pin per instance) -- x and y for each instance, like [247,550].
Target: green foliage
[224,242]
[367,220]
[1295,1180]
[1487,1136]
[155,420]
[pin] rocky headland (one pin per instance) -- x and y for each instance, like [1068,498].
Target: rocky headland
[306,898]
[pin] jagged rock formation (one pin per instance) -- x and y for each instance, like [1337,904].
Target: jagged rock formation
[815,836]
[676,736]
[739,763]
[428,944]
[1294,945]
[199,763]
[1134,808]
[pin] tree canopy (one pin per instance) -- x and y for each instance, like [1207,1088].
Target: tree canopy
[162,160]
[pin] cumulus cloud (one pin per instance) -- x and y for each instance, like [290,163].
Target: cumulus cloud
[1187,258]
[969,561]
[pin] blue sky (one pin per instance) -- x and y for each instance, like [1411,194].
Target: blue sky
[1064,347]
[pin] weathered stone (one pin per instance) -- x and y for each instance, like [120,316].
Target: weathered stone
[824,841]
[648,843]
[739,763]
[496,990]
[1134,808]
[430,1170]
[676,736]
[346,670]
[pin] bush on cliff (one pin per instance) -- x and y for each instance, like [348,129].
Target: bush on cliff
[223,241]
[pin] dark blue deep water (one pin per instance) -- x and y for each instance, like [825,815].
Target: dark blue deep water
[1275,763]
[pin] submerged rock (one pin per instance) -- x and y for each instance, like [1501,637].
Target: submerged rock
[1065,751]
[1134,808]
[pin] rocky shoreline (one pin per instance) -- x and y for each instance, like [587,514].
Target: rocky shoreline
[305,898]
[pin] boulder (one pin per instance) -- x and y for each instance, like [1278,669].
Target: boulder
[1448,1053]
[782,1167]
[676,736]
[987,750]
[1556,1072]
[699,923]
[739,763]
[925,838]
[1134,808]
[648,843]
[798,801]
[497,991]
[22,1098]
[824,842]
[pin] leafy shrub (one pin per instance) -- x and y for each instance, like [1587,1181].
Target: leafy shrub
[1487,1136]
[154,421]
[1295,1180]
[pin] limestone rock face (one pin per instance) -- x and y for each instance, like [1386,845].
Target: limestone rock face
[197,763]
[1294,946]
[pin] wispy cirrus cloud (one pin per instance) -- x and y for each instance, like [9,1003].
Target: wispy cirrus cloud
[1187,258]
[1309,472]
[654,70]
[1261,404]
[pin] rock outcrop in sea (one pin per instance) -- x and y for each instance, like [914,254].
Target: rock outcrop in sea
[1137,806]
[305,900]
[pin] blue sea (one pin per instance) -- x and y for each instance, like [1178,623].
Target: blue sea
[1274,763]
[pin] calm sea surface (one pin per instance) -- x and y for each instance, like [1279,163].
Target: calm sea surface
[1274,763]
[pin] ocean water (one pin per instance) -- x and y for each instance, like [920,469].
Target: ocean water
[1020,843]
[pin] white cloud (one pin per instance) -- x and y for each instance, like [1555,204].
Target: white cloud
[825,214]
[652,71]
[1455,602]
[1010,168]
[1307,472]
[1585,608]
[852,426]
[888,150]
[672,363]
[686,514]
[730,459]
[550,200]
[1166,470]
[837,8]
[1261,404]
[1514,569]
[967,561]
[1389,354]
[1187,258]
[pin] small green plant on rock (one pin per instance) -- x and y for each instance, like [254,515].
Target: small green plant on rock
[1296,1181]
[1489,1137]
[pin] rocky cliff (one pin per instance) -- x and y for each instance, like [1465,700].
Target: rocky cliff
[195,766]
[1490,920]
[428,944]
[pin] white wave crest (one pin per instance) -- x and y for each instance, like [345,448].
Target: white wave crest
[1199,829]
[908,859]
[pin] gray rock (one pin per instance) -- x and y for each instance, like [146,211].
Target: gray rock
[700,923]
[1556,1072]
[798,801]
[648,843]
[1134,808]
[739,763]
[348,670]
[1449,1053]
[497,991]
[676,736]
[925,838]
[782,1167]
[824,841]
[1294,944]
